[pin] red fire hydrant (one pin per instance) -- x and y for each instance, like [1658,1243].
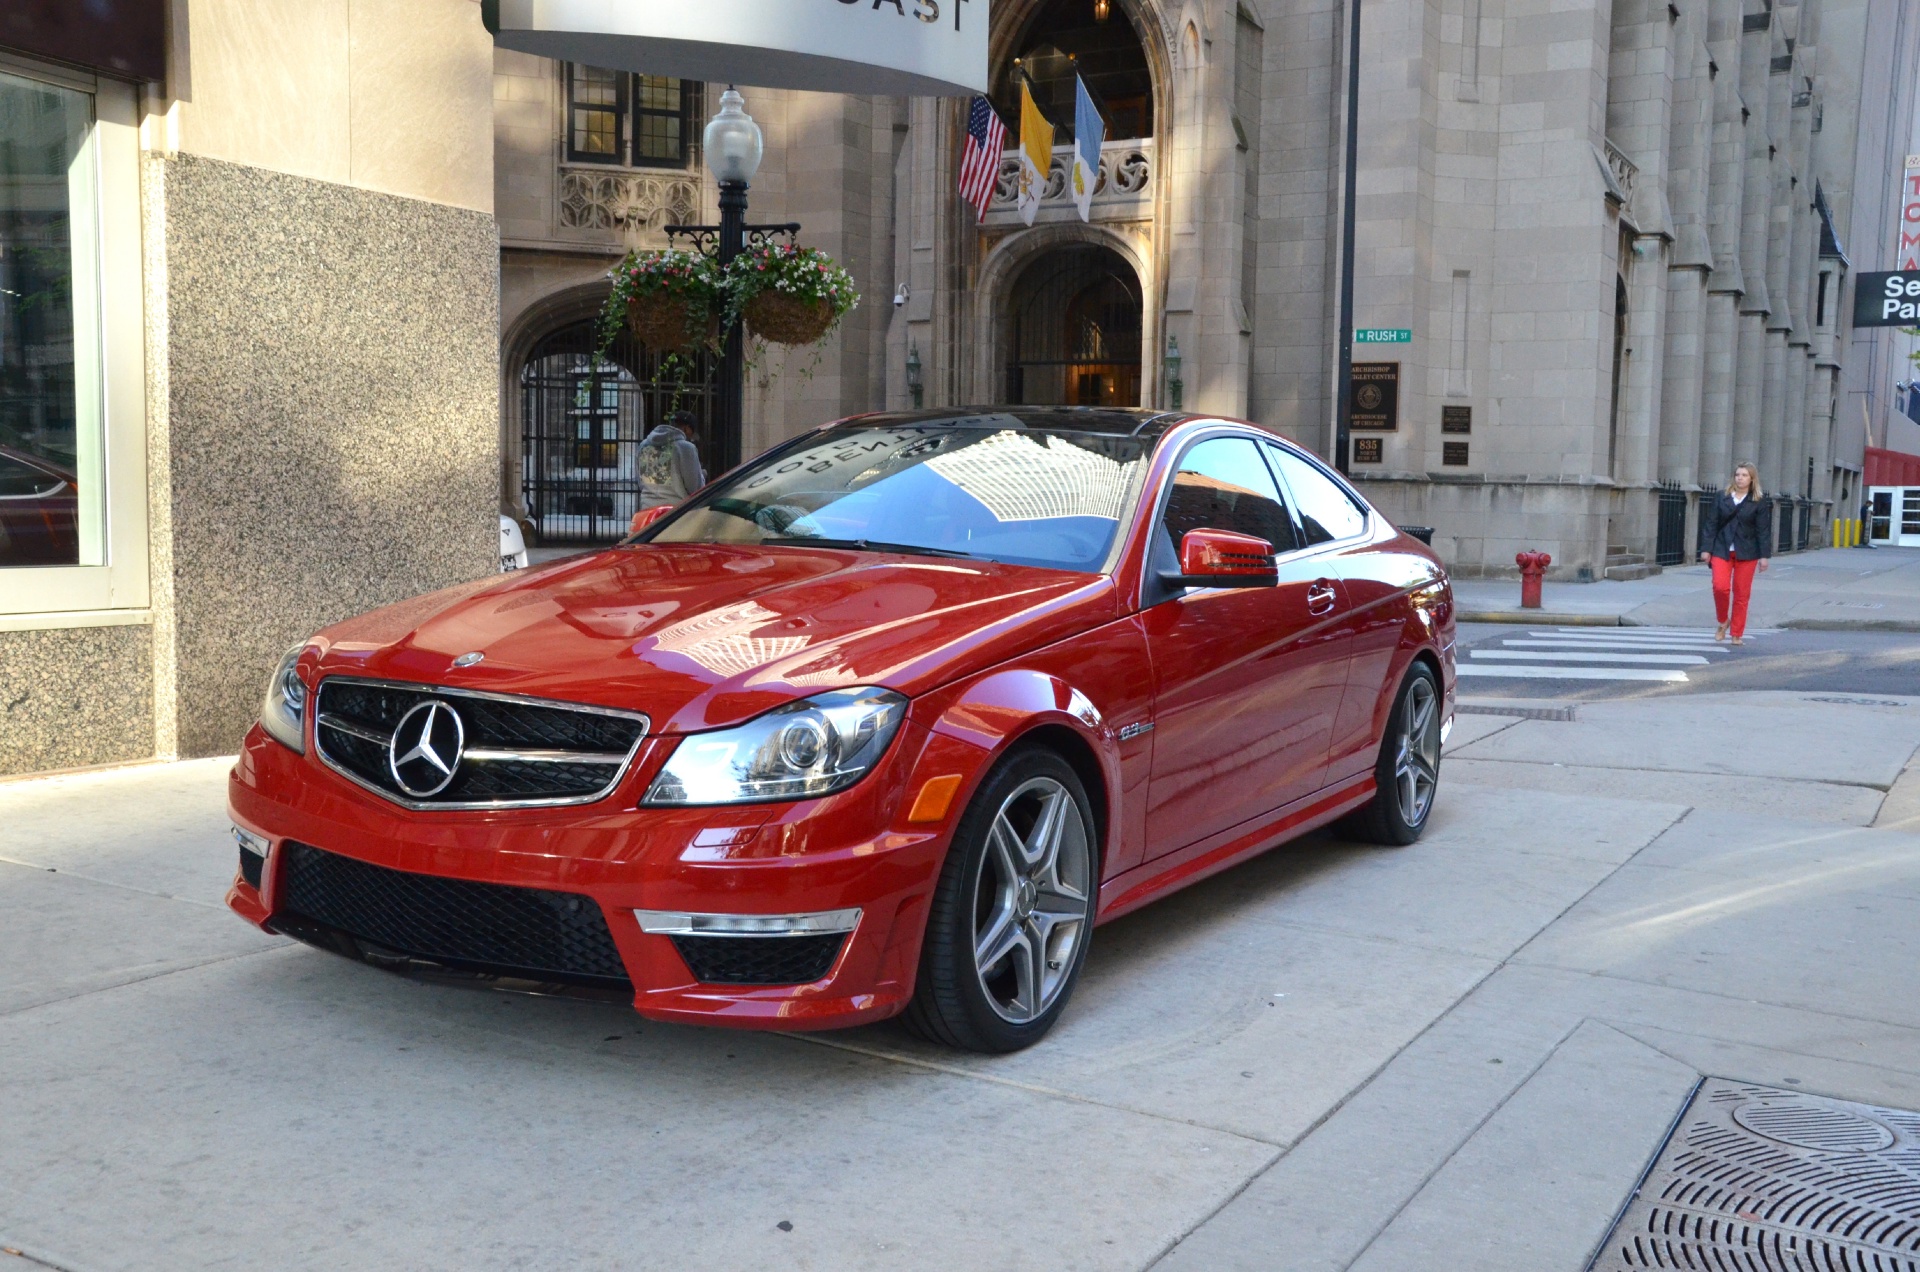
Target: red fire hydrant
[1533,565]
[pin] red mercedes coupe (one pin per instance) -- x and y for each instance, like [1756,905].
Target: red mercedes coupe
[884,721]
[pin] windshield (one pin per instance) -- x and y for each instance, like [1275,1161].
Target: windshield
[1011,494]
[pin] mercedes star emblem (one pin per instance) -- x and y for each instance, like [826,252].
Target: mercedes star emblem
[426,749]
[468,660]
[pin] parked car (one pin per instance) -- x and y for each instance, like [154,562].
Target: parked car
[39,511]
[884,721]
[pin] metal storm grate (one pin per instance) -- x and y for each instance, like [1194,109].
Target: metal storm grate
[1755,1179]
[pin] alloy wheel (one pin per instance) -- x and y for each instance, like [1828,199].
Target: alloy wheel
[1416,768]
[1032,899]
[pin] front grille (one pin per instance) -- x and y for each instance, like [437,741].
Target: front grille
[760,960]
[510,751]
[489,927]
[251,867]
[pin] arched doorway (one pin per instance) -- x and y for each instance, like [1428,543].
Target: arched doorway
[1075,330]
[582,421]
[1091,39]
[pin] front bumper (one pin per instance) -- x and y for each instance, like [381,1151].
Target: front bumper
[854,850]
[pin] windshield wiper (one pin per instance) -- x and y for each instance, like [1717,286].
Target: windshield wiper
[864,545]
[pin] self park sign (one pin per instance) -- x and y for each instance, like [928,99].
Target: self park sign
[884,47]
[1887,299]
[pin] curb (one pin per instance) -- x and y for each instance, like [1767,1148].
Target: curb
[1544,616]
[1850,625]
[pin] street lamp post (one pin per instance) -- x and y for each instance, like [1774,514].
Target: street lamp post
[1343,420]
[734,147]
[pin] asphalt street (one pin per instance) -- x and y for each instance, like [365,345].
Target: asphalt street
[1589,663]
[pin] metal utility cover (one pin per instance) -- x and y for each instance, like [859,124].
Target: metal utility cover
[1764,1180]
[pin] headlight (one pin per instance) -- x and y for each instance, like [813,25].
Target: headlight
[283,713]
[807,749]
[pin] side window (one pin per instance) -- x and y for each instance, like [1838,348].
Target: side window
[1222,485]
[1326,511]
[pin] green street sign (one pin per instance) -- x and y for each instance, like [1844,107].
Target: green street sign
[1383,335]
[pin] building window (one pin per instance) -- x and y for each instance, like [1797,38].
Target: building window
[72,371]
[50,507]
[641,121]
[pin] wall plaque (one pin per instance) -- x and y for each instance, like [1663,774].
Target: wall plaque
[1376,396]
[1456,419]
[1454,453]
[1369,450]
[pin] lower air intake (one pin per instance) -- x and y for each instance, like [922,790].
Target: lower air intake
[760,960]
[485,927]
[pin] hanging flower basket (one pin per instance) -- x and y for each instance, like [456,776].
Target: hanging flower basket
[779,318]
[791,295]
[671,301]
[665,325]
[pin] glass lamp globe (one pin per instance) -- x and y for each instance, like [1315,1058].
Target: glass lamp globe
[733,141]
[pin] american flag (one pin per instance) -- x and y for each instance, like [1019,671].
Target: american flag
[980,164]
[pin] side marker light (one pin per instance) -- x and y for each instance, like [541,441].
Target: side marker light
[935,798]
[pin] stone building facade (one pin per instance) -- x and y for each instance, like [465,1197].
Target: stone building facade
[252,379]
[1620,236]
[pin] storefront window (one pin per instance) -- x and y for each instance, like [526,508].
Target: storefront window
[51,507]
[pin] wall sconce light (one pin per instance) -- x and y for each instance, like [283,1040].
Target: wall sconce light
[1101,8]
[914,385]
[1175,389]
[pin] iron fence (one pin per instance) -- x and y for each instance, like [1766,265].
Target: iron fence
[582,422]
[1670,542]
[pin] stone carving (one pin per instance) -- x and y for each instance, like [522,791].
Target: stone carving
[632,202]
[1124,182]
[1624,170]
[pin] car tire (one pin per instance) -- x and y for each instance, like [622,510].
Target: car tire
[1407,775]
[1018,894]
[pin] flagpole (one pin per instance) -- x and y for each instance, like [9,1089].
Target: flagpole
[1343,420]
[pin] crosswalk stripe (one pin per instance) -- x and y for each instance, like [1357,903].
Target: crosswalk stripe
[1572,673]
[1623,646]
[1545,656]
[1687,637]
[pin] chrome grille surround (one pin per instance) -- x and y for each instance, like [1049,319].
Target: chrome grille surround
[357,747]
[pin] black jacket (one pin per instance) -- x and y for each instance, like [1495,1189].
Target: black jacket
[1745,529]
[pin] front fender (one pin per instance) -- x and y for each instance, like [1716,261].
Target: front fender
[990,714]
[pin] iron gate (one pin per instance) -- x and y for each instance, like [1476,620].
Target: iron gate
[582,422]
[1075,330]
[1670,543]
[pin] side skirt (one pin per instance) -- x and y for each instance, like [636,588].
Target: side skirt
[1142,884]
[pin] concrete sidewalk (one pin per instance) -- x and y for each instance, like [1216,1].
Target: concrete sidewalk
[1458,1054]
[1832,589]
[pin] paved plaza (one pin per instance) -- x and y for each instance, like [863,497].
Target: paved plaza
[1333,1057]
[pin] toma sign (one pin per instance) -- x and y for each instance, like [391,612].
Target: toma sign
[1887,299]
[885,47]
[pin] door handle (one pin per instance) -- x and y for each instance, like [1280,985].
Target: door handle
[1321,597]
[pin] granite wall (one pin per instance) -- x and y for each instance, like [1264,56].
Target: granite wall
[75,697]
[327,439]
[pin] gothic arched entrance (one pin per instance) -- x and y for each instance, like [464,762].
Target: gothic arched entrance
[1074,330]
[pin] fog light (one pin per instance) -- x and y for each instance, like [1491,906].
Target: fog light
[250,842]
[681,923]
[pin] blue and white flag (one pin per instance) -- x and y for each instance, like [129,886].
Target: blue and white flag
[1089,132]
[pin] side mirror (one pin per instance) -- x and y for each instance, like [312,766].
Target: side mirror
[646,517]
[1223,558]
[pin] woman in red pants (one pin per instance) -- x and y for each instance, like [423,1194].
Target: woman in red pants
[1736,532]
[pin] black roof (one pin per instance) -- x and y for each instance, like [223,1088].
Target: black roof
[1110,421]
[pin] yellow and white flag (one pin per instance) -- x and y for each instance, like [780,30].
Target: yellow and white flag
[1036,154]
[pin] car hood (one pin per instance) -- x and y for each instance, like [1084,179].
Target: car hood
[703,636]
